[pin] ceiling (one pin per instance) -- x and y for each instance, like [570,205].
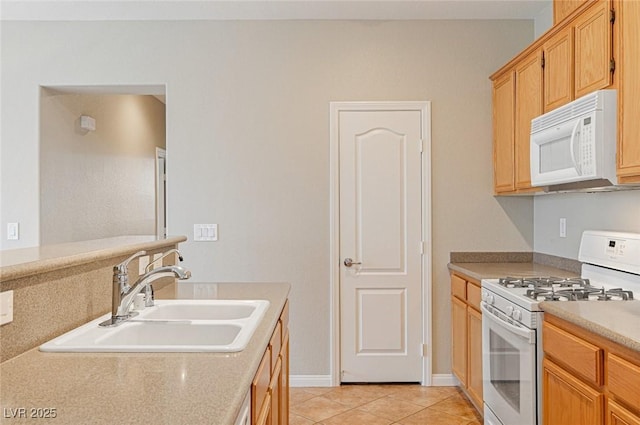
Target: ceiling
[94,10]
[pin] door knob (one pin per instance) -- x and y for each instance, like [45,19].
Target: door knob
[349,262]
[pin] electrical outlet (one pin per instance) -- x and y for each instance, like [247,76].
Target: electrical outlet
[563,227]
[6,307]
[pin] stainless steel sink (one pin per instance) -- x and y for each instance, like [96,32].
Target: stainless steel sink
[170,326]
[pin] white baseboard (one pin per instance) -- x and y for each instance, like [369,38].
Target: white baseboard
[310,381]
[437,380]
[444,380]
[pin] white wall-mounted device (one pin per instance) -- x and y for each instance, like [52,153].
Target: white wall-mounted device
[87,123]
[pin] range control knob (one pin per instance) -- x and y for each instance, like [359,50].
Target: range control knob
[490,299]
[517,314]
[509,311]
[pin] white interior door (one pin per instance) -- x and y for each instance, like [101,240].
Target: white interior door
[381,236]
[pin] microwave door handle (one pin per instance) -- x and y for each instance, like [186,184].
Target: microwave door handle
[572,146]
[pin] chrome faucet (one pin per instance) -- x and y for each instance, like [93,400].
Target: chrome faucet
[148,289]
[123,294]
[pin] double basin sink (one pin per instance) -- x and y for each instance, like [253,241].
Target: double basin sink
[170,326]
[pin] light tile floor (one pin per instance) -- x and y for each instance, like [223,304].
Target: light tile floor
[381,405]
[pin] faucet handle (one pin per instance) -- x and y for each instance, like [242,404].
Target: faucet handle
[162,257]
[122,267]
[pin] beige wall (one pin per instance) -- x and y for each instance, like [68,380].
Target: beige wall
[248,138]
[109,172]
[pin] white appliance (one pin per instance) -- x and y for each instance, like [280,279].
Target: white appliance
[511,321]
[576,143]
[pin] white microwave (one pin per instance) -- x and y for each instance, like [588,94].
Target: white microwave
[576,142]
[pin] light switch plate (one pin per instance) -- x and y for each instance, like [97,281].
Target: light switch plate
[205,232]
[13,231]
[6,307]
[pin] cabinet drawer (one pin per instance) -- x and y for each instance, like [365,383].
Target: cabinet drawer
[275,344]
[624,379]
[584,358]
[458,287]
[260,385]
[284,316]
[474,295]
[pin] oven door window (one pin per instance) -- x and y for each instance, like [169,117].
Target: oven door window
[509,370]
[505,370]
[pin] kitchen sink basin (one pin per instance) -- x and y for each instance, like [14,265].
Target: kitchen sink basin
[170,326]
[203,310]
[172,334]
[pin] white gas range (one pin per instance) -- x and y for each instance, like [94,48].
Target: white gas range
[512,341]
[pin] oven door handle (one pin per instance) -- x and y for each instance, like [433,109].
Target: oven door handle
[527,334]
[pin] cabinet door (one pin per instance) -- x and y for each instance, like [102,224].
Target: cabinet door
[503,133]
[260,395]
[528,106]
[618,415]
[459,339]
[567,400]
[474,377]
[564,8]
[628,22]
[276,393]
[558,69]
[593,32]
[284,388]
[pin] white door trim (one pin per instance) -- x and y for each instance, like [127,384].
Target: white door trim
[161,193]
[334,225]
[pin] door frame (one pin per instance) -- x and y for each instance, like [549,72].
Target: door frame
[161,192]
[334,225]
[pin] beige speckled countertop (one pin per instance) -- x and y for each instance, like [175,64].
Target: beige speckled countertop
[481,271]
[144,388]
[618,321]
[22,262]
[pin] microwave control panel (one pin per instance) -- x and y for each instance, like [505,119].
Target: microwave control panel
[587,154]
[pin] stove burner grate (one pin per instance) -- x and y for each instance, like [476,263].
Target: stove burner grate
[543,282]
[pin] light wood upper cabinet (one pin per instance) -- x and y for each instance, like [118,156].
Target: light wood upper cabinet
[528,106]
[564,8]
[628,64]
[618,415]
[593,44]
[578,58]
[595,48]
[503,133]
[558,69]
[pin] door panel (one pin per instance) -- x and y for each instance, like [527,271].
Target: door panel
[380,171]
[382,321]
[381,230]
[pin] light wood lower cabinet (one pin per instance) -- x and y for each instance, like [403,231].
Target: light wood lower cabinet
[568,400]
[587,379]
[270,387]
[466,327]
